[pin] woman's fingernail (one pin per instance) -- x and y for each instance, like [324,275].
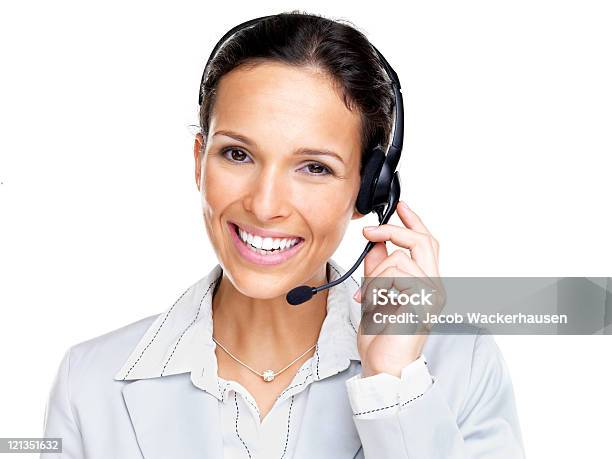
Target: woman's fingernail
[370,228]
[404,205]
[357,295]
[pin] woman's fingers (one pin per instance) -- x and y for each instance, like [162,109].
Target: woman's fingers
[401,262]
[413,221]
[421,258]
[399,235]
[383,282]
[392,278]
[420,245]
[374,257]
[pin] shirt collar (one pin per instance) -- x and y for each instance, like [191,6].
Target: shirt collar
[180,338]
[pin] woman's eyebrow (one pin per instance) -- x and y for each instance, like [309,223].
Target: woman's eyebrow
[235,136]
[318,152]
[300,151]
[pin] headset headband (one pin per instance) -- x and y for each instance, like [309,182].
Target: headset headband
[395,147]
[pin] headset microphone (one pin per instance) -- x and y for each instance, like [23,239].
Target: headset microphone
[380,185]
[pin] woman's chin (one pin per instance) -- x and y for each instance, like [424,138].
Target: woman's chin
[261,289]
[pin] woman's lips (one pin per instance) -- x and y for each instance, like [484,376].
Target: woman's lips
[272,258]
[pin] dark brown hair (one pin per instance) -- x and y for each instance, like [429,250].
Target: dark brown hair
[301,39]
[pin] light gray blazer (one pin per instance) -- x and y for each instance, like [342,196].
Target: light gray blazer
[469,411]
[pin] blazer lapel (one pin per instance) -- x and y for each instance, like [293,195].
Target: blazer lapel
[173,418]
[328,430]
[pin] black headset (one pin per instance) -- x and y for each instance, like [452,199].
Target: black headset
[380,184]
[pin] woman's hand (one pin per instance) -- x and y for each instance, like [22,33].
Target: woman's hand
[384,352]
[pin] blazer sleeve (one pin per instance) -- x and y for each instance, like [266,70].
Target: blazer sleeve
[59,419]
[486,426]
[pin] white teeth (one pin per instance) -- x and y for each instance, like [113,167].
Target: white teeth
[267,244]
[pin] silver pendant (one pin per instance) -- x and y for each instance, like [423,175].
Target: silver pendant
[268,375]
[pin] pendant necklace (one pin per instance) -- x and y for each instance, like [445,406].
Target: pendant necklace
[267,375]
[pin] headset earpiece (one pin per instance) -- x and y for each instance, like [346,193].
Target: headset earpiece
[369,177]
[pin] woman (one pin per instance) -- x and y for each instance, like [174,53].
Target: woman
[289,106]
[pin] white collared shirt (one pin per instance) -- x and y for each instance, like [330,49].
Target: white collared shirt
[180,341]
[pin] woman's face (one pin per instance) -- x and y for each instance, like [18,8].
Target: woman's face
[280,169]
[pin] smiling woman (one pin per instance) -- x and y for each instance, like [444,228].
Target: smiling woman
[269,165]
[292,107]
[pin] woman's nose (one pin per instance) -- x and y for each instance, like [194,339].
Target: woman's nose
[269,196]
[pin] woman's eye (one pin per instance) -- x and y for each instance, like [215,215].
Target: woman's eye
[235,155]
[318,169]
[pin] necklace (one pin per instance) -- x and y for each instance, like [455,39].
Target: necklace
[267,375]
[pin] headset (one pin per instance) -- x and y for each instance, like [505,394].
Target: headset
[380,184]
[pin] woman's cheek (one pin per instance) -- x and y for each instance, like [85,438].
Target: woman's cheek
[329,221]
[218,187]
[216,196]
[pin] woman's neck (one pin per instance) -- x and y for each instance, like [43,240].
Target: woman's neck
[265,332]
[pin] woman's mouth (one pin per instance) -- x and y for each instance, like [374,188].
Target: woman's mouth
[263,249]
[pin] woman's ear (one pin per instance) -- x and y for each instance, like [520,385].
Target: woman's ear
[198,153]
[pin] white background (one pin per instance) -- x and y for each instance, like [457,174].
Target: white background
[506,159]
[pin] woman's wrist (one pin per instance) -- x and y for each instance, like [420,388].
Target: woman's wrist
[390,362]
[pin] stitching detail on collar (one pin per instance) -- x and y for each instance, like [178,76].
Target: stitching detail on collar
[190,325]
[318,377]
[295,385]
[156,333]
